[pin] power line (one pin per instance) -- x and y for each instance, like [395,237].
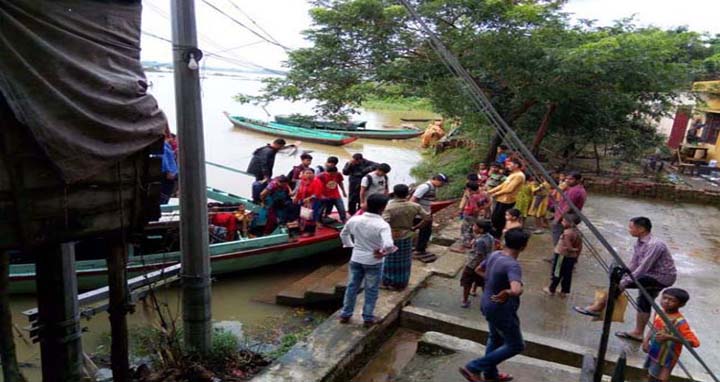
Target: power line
[232,2]
[501,126]
[238,22]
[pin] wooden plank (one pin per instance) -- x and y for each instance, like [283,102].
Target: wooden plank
[294,295]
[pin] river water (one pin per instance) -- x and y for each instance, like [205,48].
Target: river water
[239,298]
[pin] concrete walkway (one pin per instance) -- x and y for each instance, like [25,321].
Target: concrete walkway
[335,352]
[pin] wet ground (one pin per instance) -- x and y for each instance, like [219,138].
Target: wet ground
[687,229]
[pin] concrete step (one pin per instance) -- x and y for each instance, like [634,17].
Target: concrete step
[294,295]
[329,288]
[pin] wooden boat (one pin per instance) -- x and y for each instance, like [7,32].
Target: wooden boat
[310,122]
[416,119]
[226,257]
[357,130]
[292,132]
[441,204]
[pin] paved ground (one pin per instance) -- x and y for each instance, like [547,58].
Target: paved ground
[695,248]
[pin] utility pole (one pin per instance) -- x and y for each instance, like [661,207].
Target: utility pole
[195,273]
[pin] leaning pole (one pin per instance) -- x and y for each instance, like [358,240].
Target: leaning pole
[195,273]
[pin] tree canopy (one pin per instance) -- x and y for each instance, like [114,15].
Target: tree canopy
[547,76]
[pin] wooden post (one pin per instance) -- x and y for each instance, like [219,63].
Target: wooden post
[8,357]
[118,309]
[60,345]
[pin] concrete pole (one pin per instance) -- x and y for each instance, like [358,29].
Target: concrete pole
[193,199]
[118,309]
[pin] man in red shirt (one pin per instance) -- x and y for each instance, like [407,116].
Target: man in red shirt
[332,182]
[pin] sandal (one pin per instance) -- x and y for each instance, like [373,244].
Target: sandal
[470,376]
[627,336]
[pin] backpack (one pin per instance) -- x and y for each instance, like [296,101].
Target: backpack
[414,188]
[370,181]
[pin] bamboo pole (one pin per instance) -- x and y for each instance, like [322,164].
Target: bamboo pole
[195,274]
[118,309]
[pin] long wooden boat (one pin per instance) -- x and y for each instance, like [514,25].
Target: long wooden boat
[416,119]
[310,122]
[292,132]
[357,130]
[226,257]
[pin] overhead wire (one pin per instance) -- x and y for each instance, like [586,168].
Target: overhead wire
[240,23]
[484,105]
[237,7]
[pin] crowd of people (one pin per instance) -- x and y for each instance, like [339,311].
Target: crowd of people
[387,229]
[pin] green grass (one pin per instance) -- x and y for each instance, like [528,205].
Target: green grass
[398,104]
[455,163]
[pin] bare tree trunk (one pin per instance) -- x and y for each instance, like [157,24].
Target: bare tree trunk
[597,158]
[11,371]
[543,129]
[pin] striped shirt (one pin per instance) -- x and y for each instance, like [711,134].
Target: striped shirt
[651,258]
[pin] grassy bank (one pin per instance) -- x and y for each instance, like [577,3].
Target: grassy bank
[398,104]
[455,163]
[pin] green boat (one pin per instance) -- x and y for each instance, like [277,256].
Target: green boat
[226,257]
[292,132]
[353,129]
[310,122]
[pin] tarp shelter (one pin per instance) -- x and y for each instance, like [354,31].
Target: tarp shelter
[79,134]
[70,71]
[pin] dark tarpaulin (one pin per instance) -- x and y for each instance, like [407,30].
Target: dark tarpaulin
[71,72]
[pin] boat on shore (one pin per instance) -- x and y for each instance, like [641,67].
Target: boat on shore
[225,257]
[353,129]
[291,132]
[416,119]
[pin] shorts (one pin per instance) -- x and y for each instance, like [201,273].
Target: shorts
[653,368]
[470,277]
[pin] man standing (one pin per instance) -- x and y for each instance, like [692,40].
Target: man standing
[170,174]
[575,191]
[375,182]
[424,195]
[355,170]
[652,267]
[370,238]
[400,214]
[263,160]
[505,194]
[500,303]
[297,171]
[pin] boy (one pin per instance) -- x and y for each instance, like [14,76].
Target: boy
[662,346]
[332,182]
[483,172]
[472,206]
[297,171]
[484,245]
[495,176]
[565,257]
[375,182]
[370,238]
[500,303]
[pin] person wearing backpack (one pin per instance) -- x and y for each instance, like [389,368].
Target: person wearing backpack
[424,195]
[355,170]
[263,160]
[375,182]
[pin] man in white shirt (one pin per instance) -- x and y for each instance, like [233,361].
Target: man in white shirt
[370,238]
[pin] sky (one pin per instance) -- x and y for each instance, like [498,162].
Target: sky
[286,19]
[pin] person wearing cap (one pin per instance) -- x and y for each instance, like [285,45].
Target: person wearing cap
[424,195]
[505,194]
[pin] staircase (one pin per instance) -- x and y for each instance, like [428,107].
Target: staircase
[324,285]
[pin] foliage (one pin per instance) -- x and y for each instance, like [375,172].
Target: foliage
[456,164]
[593,85]
[397,103]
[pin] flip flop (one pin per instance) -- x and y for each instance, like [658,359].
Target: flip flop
[627,336]
[470,376]
[585,311]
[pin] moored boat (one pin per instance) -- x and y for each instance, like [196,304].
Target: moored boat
[353,129]
[225,257]
[292,132]
[310,122]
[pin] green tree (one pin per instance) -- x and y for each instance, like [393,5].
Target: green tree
[580,84]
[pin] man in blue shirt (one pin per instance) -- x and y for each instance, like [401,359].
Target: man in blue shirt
[500,303]
[170,172]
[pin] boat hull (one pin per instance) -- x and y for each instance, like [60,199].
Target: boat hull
[309,123]
[92,274]
[293,132]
